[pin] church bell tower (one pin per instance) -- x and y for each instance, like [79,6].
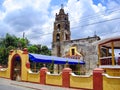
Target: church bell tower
[61,31]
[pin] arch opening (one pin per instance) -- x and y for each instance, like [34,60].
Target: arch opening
[16,68]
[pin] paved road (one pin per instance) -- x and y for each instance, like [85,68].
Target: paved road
[6,84]
[10,87]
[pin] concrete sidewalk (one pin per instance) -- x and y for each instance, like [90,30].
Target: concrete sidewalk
[32,86]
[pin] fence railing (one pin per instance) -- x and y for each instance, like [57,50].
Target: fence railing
[108,60]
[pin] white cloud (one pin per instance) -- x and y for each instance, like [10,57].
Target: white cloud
[36,19]
[85,13]
[40,5]
[27,16]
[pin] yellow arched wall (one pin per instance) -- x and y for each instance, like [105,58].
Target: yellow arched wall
[85,82]
[109,82]
[53,79]
[26,74]
[6,72]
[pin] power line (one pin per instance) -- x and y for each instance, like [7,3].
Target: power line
[112,10]
[95,17]
[99,13]
[83,19]
[98,22]
[87,25]
[102,34]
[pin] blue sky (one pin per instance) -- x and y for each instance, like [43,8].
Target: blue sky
[36,18]
[103,2]
[57,2]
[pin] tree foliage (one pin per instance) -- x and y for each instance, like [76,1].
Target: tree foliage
[10,42]
[38,49]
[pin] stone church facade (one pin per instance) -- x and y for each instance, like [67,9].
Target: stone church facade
[80,49]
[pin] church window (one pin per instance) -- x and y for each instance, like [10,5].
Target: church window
[58,30]
[58,26]
[58,37]
[65,18]
[73,51]
[66,37]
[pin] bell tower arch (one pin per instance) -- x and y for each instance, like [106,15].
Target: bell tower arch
[61,31]
[61,26]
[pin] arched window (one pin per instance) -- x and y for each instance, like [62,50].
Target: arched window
[65,18]
[58,26]
[66,36]
[58,37]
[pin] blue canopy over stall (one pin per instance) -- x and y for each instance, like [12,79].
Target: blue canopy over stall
[50,59]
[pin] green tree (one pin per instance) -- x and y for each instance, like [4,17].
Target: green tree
[3,55]
[12,42]
[32,49]
[39,49]
[22,43]
[45,50]
[8,43]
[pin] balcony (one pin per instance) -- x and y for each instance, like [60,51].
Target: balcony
[108,60]
[109,52]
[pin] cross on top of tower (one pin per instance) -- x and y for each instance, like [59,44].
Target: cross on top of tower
[62,6]
[61,10]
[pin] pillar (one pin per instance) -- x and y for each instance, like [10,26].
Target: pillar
[66,77]
[28,65]
[11,51]
[25,51]
[112,47]
[97,79]
[43,71]
[99,55]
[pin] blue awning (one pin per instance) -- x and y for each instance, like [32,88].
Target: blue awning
[50,59]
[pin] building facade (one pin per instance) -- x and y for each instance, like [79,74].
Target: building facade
[80,49]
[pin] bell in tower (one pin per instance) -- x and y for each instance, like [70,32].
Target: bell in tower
[61,26]
[61,31]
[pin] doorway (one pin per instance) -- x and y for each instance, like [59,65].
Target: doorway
[16,68]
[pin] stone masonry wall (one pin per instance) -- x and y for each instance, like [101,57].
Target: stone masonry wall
[85,46]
